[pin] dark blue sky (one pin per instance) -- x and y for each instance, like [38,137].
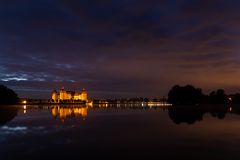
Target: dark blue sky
[119,48]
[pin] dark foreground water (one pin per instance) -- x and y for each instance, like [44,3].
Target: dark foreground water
[52,132]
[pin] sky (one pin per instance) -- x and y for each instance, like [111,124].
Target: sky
[119,48]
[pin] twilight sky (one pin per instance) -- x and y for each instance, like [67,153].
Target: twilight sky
[119,48]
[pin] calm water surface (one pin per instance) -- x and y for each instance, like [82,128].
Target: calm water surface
[119,133]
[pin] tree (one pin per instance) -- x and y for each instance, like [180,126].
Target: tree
[186,95]
[218,97]
[146,100]
[7,96]
[236,98]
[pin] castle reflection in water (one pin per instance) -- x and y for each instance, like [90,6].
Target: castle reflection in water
[178,114]
[67,112]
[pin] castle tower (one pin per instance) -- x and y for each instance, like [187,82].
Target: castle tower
[54,96]
[84,95]
[62,94]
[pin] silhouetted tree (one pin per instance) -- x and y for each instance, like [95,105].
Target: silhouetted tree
[187,95]
[154,99]
[7,96]
[146,100]
[236,98]
[163,99]
[218,97]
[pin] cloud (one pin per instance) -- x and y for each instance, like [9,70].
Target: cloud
[129,47]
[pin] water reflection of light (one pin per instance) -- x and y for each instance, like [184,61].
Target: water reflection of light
[54,111]
[24,109]
[156,104]
[133,104]
[64,113]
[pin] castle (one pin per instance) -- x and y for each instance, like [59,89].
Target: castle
[64,95]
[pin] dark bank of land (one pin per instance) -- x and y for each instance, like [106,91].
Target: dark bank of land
[177,95]
[190,95]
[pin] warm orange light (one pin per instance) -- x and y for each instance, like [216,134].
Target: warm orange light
[24,102]
[90,104]
[64,113]
[24,109]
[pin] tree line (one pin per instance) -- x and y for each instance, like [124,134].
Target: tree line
[190,95]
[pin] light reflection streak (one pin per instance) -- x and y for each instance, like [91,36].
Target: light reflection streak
[137,104]
[67,112]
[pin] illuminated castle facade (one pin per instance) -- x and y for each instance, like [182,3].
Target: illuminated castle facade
[64,95]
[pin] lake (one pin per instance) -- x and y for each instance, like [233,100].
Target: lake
[76,132]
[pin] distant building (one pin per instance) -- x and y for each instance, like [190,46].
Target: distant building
[63,95]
